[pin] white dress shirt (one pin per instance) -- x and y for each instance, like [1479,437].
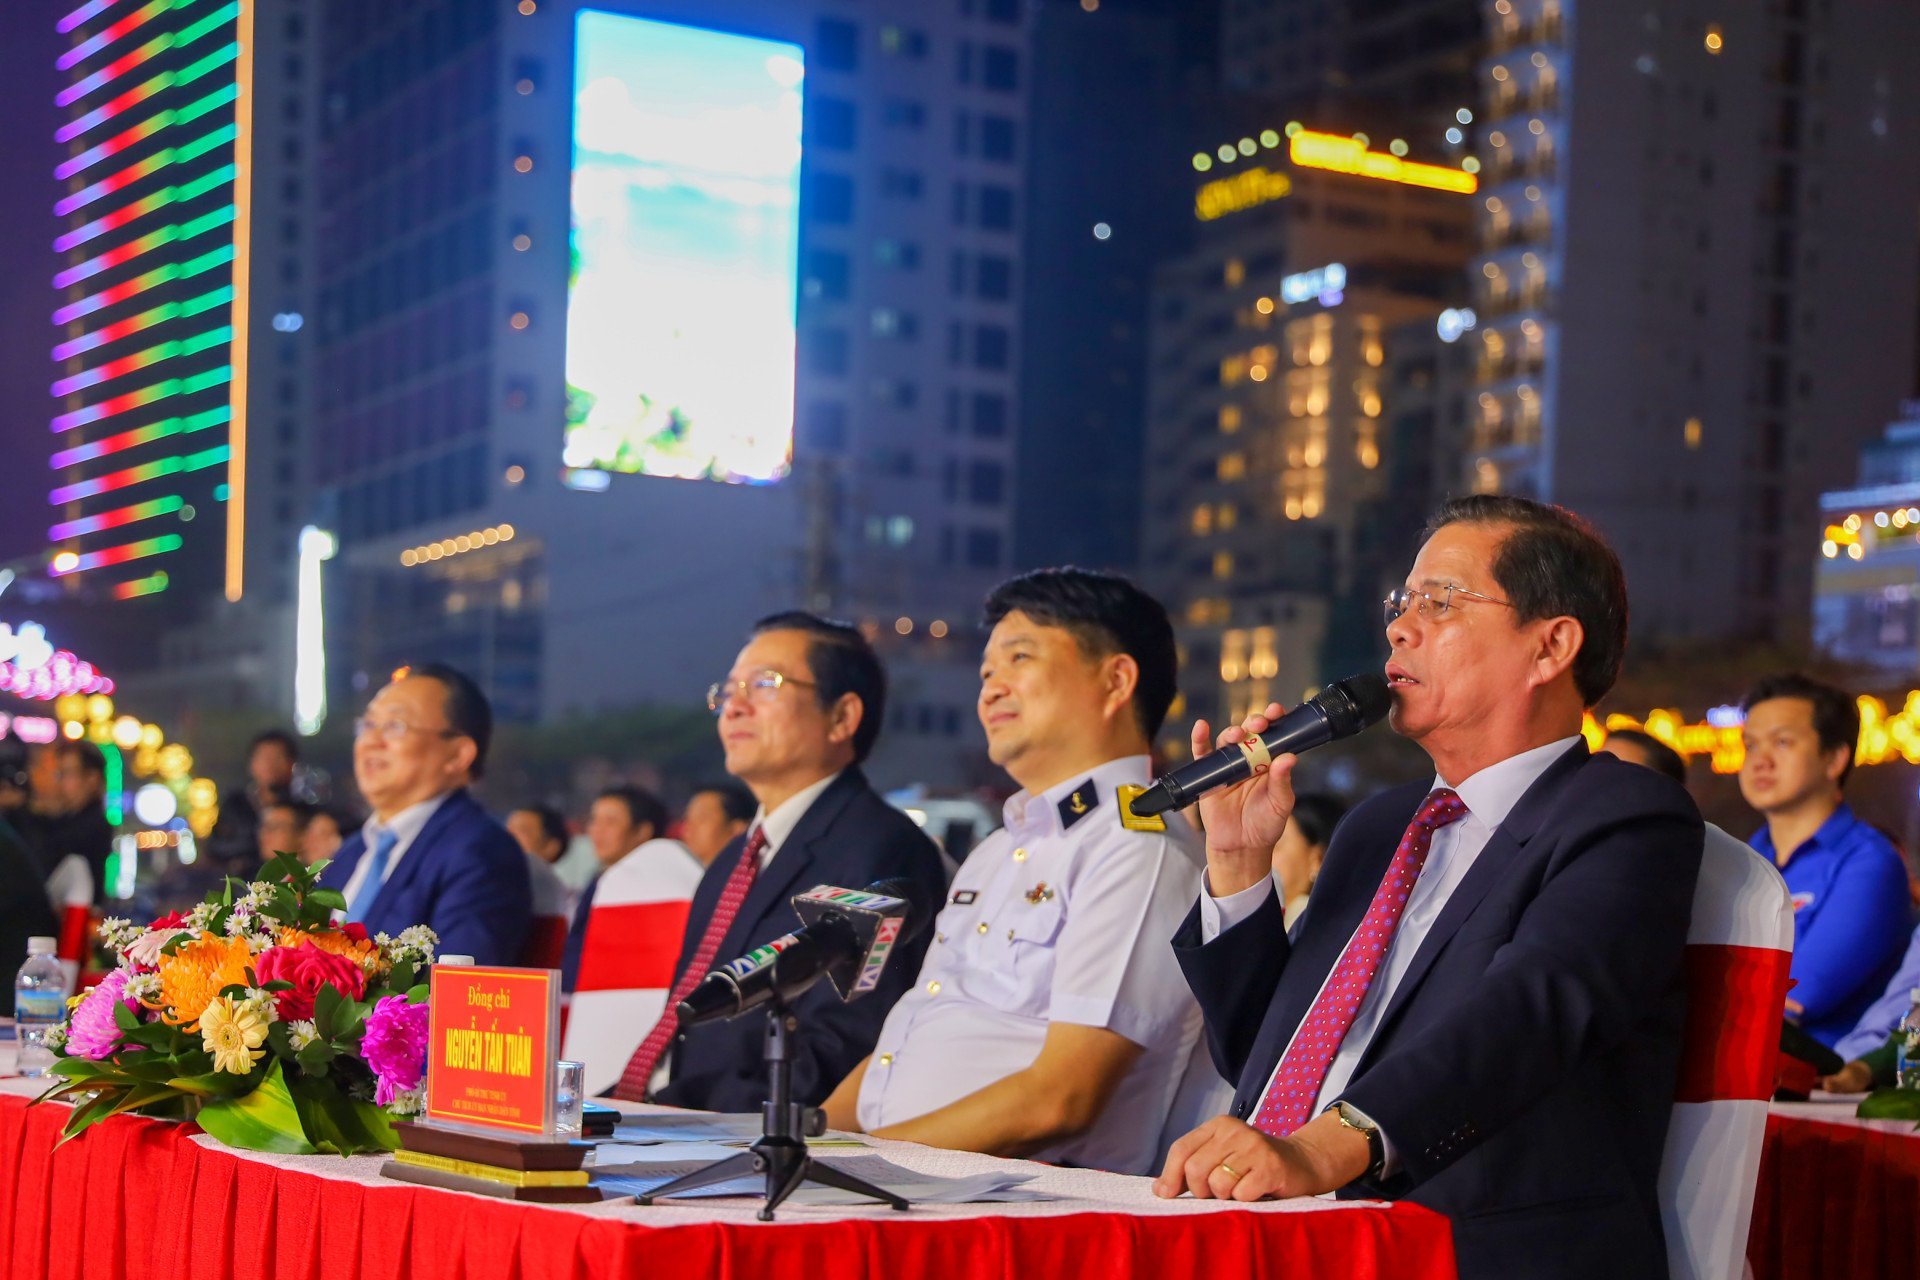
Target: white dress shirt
[1489,796]
[1063,915]
[406,826]
[786,816]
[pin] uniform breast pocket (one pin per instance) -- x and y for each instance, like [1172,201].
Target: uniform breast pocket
[1027,955]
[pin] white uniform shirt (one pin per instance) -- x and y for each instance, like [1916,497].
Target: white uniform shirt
[1489,796]
[1052,921]
[406,826]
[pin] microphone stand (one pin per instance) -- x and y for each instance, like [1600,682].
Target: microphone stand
[781,1152]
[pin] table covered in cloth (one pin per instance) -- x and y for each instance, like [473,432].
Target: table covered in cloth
[1838,1196]
[161,1201]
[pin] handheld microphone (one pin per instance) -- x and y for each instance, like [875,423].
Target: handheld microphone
[847,937]
[1341,710]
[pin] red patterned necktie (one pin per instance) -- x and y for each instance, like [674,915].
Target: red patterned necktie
[634,1080]
[1296,1085]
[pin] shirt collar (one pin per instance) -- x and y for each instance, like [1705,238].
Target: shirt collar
[787,814]
[1040,814]
[406,824]
[1491,793]
[1828,833]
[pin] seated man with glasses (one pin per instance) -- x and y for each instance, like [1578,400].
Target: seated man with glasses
[430,854]
[797,714]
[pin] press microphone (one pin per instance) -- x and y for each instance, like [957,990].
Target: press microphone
[847,936]
[1340,710]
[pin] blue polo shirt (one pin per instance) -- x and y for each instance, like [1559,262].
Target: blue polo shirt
[1851,917]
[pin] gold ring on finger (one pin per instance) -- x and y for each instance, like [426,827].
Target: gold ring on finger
[1232,1172]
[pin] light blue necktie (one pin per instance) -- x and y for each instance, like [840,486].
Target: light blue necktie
[383,842]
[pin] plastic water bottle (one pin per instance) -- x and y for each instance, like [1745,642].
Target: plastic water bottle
[39,998]
[1907,1047]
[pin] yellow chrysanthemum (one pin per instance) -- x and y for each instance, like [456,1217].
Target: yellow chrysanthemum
[192,976]
[233,1032]
[365,953]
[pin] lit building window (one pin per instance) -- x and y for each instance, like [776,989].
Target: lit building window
[1486,477]
[1233,656]
[1223,565]
[1227,517]
[1235,273]
[1229,419]
[1202,520]
[1366,444]
[1263,661]
[1693,432]
[1233,466]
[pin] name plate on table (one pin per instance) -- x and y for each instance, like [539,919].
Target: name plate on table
[493,1039]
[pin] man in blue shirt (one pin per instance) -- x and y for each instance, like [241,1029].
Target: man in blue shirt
[1851,912]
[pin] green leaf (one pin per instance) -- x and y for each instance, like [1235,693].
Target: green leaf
[340,1124]
[331,899]
[316,1058]
[89,1113]
[417,994]
[78,1069]
[326,1002]
[125,1018]
[263,1120]
[1891,1104]
[212,1084]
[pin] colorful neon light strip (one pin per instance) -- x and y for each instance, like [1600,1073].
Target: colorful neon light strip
[145,320]
[143,168]
[146,204]
[149,585]
[80,15]
[59,676]
[143,396]
[145,53]
[115,518]
[141,283]
[168,234]
[113,146]
[108,34]
[178,465]
[120,555]
[137,360]
[140,93]
[216,417]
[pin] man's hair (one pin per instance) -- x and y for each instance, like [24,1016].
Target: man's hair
[842,662]
[553,825]
[1554,564]
[1661,758]
[1836,716]
[84,754]
[279,738]
[735,800]
[469,714]
[346,820]
[302,811]
[642,806]
[1105,614]
[1317,813]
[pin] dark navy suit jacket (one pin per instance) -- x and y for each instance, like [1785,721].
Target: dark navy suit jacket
[463,876]
[1525,1067]
[849,837]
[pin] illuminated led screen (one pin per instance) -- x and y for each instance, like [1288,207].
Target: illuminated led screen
[683,273]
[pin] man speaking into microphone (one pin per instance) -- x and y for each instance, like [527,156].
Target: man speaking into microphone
[1481,1009]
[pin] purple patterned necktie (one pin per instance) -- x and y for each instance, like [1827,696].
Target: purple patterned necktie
[1296,1085]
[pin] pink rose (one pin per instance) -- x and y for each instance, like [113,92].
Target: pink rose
[308,968]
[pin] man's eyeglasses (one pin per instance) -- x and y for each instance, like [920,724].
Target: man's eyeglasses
[394,730]
[760,688]
[1430,604]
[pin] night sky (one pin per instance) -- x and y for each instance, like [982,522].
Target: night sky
[28,47]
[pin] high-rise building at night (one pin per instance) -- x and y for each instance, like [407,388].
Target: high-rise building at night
[510,488]
[1300,394]
[180,226]
[1696,281]
[1406,55]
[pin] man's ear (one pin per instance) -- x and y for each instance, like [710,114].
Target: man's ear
[844,721]
[1560,642]
[1119,681]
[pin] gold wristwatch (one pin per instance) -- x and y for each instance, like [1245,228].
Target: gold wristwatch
[1352,1117]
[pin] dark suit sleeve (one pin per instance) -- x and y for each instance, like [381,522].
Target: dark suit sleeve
[577,939]
[1233,978]
[1601,942]
[486,910]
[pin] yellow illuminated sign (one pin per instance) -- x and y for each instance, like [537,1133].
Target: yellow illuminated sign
[1885,736]
[1242,191]
[1332,152]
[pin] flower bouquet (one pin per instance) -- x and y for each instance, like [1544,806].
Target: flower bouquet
[257,1017]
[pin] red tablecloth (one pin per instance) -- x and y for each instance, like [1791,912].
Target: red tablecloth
[140,1198]
[1836,1199]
